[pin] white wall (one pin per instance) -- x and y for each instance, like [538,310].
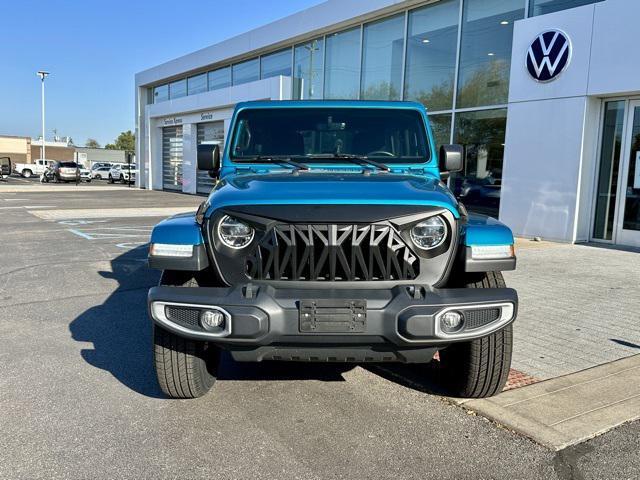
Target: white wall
[545,143]
[615,56]
[542,169]
[553,129]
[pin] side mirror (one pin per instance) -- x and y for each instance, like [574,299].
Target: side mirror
[451,158]
[209,158]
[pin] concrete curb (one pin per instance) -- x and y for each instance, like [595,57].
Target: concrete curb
[568,410]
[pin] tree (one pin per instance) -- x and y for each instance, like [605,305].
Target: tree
[125,141]
[92,143]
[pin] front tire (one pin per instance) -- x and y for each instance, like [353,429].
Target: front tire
[185,368]
[110,179]
[479,368]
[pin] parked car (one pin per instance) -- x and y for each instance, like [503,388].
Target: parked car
[28,170]
[66,172]
[85,173]
[5,167]
[330,236]
[100,173]
[98,165]
[122,173]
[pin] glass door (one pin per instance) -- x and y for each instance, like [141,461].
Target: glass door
[629,191]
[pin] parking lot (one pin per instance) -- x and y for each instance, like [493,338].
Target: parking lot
[78,396]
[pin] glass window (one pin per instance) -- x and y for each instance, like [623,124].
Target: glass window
[245,72]
[631,192]
[278,63]
[197,84]
[485,55]
[431,54]
[178,89]
[608,174]
[482,134]
[161,93]
[540,7]
[319,134]
[308,70]
[220,78]
[342,71]
[441,126]
[382,59]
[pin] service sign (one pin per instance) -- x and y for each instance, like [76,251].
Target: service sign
[172,121]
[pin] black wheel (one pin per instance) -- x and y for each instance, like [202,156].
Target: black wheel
[185,368]
[98,177]
[27,173]
[110,179]
[479,368]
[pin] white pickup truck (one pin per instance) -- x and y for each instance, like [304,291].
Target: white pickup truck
[28,170]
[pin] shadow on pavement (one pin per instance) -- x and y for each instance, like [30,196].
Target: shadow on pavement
[267,371]
[424,378]
[624,343]
[120,331]
[119,328]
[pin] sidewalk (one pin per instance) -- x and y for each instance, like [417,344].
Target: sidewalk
[579,307]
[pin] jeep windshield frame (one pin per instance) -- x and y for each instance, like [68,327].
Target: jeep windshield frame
[331,135]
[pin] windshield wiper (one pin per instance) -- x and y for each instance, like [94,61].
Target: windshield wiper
[358,159]
[284,160]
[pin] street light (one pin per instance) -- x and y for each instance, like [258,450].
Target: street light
[42,74]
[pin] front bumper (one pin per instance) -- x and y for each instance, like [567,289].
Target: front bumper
[261,320]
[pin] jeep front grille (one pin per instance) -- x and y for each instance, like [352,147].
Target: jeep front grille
[332,253]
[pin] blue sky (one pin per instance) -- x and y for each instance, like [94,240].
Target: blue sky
[93,48]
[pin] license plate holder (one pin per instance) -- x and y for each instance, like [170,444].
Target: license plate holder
[333,316]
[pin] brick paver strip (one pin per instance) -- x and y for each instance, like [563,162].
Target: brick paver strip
[519,379]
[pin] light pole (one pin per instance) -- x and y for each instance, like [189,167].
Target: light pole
[42,74]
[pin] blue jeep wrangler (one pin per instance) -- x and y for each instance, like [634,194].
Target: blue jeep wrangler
[330,237]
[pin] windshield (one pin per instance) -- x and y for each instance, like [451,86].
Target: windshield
[318,134]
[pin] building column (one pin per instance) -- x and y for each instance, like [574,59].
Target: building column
[155,155]
[189,158]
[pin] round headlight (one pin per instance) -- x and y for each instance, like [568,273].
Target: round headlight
[235,234]
[429,234]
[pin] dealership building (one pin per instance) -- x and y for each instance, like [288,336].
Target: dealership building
[543,94]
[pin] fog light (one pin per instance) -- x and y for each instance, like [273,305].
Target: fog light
[451,322]
[210,319]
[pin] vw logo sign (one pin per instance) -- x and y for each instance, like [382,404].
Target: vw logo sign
[549,55]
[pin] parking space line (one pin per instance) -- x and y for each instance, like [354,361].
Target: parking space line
[114,233]
[80,234]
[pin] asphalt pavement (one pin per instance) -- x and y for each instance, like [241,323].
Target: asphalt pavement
[78,397]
